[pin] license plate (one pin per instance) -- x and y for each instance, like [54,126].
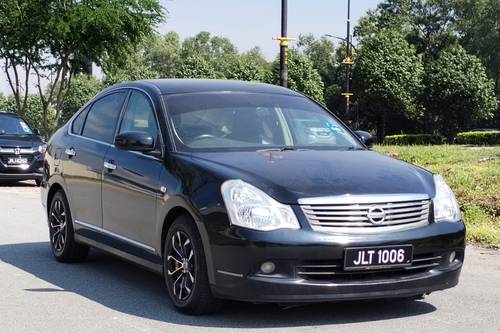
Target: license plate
[17,160]
[363,258]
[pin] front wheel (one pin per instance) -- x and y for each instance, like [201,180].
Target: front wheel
[61,233]
[185,269]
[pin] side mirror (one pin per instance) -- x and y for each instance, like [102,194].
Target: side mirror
[366,137]
[36,131]
[135,141]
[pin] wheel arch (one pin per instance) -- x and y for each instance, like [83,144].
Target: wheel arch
[171,216]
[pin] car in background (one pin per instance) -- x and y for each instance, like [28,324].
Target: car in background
[21,150]
[246,191]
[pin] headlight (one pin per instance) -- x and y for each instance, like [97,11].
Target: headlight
[251,208]
[445,205]
[42,148]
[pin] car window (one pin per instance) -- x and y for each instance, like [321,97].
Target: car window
[139,116]
[14,126]
[235,121]
[77,126]
[103,116]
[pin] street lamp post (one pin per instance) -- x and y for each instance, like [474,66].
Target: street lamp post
[284,44]
[348,62]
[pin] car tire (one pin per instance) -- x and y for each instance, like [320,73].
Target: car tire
[185,269]
[61,232]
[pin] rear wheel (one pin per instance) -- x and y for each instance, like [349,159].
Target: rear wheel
[62,241]
[185,269]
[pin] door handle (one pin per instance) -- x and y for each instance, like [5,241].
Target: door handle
[110,165]
[70,152]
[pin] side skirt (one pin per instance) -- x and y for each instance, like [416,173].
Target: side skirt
[118,247]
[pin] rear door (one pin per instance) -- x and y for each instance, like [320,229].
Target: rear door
[131,181]
[91,135]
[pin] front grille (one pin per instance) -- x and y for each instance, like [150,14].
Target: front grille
[5,158]
[368,214]
[333,271]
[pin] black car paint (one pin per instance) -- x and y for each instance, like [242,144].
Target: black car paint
[27,141]
[179,182]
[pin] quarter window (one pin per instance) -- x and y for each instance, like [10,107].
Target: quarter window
[103,116]
[139,116]
[77,126]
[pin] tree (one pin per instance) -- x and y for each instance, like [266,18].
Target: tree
[302,76]
[218,51]
[249,66]
[163,54]
[49,38]
[478,26]
[458,91]
[426,24]
[196,67]
[322,54]
[81,91]
[387,78]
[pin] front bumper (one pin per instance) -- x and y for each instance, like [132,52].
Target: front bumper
[32,170]
[300,255]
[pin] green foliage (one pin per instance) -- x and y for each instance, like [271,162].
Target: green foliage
[302,76]
[458,92]
[387,77]
[479,138]
[413,139]
[162,54]
[50,38]
[322,54]
[82,89]
[474,175]
[195,66]
[477,23]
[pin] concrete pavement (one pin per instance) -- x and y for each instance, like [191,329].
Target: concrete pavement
[38,294]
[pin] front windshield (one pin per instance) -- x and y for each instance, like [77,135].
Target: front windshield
[246,121]
[13,126]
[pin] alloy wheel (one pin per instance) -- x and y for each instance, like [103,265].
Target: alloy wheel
[58,225]
[180,264]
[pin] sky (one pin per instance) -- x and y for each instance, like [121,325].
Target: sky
[249,23]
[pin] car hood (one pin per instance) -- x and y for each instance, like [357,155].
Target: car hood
[290,175]
[20,141]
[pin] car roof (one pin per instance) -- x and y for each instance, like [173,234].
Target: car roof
[178,86]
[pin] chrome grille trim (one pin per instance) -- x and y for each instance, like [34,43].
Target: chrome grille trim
[349,213]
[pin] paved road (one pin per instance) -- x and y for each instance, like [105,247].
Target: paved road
[104,294]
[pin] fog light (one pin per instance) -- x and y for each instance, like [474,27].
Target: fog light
[267,267]
[453,256]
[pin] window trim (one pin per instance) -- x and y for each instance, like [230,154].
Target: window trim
[124,111]
[163,147]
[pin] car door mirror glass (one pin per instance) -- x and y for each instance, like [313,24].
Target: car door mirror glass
[135,141]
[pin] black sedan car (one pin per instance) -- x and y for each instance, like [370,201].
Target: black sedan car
[21,150]
[249,192]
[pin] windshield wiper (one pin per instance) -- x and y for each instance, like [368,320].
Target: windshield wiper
[284,148]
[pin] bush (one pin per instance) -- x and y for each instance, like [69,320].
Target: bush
[479,138]
[413,139]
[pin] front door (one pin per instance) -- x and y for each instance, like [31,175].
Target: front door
[131,179]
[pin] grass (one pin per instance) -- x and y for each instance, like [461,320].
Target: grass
[474,175]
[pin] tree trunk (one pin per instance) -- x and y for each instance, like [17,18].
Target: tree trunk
[381,122]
